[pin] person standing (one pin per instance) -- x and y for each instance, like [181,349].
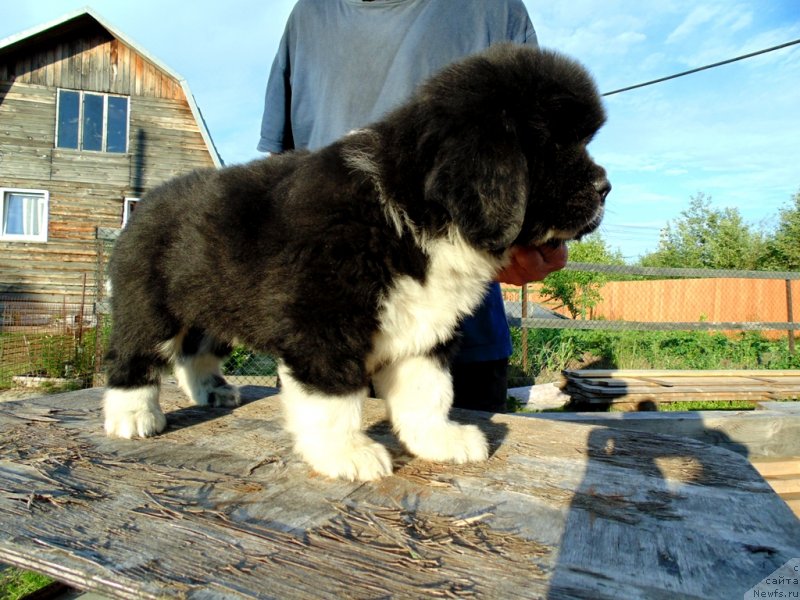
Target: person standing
[342,64]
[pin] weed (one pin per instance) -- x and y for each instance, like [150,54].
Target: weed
[16,584]
[552,350]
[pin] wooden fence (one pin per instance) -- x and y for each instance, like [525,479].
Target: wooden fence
[752,300]
[677,300]
[689,299]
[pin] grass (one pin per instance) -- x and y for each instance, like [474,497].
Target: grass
[515,405]
[52,355]
[15,583]
[243,361]
[706,405]
[552,350]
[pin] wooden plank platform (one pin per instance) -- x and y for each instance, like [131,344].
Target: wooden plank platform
[642,389]
[769,436]
[217,507]
[772,430]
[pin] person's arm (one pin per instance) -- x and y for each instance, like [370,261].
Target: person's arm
[276,125]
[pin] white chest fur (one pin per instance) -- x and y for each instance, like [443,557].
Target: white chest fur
[415,317]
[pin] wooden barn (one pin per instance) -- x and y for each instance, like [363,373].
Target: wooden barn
[89,121]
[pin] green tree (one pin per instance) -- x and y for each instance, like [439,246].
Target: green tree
[783,246]
[578,291]
[708,238]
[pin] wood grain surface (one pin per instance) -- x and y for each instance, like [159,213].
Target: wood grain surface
[218,507]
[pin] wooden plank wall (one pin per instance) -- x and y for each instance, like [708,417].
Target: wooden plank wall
[93,61]
[87,189]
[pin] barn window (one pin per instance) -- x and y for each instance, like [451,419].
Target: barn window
[89,121]
[23,215]
[93,122]
[69,107]
[127,209]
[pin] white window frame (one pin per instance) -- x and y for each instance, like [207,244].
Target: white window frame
[13,237]
[126,209]
[81,94]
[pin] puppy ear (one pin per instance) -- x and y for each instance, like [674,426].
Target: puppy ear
[573,119]
[482,184]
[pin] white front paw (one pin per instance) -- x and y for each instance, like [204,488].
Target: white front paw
[129,413]
[141,423]
[357,459]
[449,442]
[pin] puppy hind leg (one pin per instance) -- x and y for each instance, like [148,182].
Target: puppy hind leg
[327,432]
[419,393]
[198,368]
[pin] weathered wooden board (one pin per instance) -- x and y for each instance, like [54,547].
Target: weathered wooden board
[771,432]
[630,387]
[783,476]
[218,507]
[679,373]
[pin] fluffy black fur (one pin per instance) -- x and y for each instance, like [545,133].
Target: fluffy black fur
[293,254]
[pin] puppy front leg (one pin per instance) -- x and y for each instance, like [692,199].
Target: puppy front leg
[419,393]
[327,432]
[132,412]
[130,402]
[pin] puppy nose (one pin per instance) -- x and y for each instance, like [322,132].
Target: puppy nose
[603,187]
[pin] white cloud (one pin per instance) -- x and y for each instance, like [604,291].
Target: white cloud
[628,38]
[741,22]
[699,16]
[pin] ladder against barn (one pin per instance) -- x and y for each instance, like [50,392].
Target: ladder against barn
[218,507]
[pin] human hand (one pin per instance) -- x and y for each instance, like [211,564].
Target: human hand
[533,263]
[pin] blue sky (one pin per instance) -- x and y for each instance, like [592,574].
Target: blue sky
[732,133]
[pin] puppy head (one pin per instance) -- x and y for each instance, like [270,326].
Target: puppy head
[506,134]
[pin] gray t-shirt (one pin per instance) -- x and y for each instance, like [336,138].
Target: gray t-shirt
[382,49]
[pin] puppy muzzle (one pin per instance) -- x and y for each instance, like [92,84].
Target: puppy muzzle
[602,187]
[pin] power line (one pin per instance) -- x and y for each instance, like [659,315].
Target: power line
[698,69]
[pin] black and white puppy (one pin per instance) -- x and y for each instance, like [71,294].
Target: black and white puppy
[355,263]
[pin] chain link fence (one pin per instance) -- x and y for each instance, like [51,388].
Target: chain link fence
[47,344]
[586,316]
[617,316]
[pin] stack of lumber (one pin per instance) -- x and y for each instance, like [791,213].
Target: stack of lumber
[783,475]
[638,390]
